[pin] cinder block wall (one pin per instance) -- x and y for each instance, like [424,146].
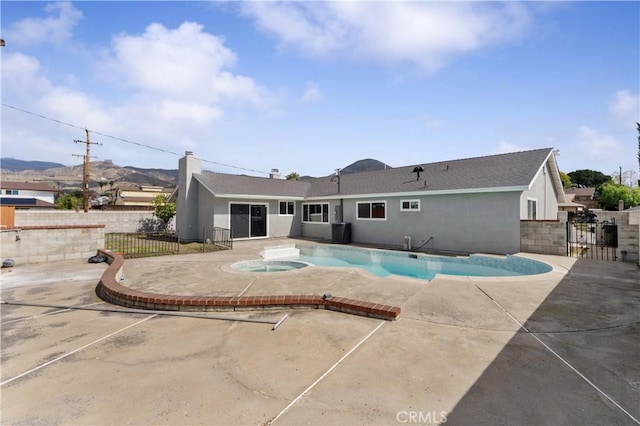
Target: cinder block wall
[549,237]
[51,243]
[628,232]
[543,237]
[114,221]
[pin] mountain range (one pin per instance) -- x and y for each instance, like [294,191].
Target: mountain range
[68,177]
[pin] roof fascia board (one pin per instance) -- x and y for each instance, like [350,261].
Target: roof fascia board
[555,175]
[423,193]
[259,197]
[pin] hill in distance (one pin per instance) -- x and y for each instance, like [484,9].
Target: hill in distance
[66,177]
[105,172]
[366,165]
[13,164]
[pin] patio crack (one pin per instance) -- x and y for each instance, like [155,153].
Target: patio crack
[245,386]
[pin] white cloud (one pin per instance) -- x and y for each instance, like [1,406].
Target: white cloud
[594,143]
[426,35]
[55,28]
[177,83]
[624,109]
[311,94]
[185,64]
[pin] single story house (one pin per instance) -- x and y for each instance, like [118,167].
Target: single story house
[129,194]
[570,205]
[468,205]
[585,196]
[27,195]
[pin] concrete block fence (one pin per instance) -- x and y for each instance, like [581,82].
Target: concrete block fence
[113,221]
[37,244]
[549,236]
[543,237]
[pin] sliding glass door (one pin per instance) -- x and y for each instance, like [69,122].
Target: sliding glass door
[248,220]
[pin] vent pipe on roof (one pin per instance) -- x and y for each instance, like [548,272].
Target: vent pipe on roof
[336,179]
[417,170]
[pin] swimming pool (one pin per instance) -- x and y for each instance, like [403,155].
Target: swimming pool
[386,262]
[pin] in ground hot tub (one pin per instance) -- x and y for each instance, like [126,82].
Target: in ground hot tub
[268,265]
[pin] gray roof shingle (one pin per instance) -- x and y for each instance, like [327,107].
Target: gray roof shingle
[495,171]
[227,184]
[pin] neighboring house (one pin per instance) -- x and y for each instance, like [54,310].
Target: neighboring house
[570,205]
[469,205]
[27,195]
[139,195]
[585,196]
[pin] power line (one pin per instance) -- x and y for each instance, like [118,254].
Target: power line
[142,145]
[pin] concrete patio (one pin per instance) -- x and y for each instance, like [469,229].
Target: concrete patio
[557,348]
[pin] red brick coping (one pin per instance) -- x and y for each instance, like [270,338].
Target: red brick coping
[110,290]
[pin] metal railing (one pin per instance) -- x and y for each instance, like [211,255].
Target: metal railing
[216,239]
[141,244]
[592,239]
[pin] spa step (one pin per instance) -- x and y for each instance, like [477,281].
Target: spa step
[278,252]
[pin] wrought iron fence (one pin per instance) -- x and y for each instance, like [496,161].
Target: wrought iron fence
[591,239]
[141,244]
[216,239]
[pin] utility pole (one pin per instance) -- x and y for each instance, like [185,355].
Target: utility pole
[620,177]
[85,174]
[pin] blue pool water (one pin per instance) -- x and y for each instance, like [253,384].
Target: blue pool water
[385,262]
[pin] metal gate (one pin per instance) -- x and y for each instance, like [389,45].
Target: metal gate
[589,238]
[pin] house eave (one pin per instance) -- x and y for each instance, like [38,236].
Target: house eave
[421,193]
[259,197]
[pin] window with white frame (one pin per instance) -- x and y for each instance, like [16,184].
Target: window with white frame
[287,208]
[374,210]
[532,209]
[11,191]
[410,205]
[315,213]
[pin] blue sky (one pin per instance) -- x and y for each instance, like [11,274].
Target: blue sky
[314,86]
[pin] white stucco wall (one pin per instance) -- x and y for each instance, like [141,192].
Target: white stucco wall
[187,199]
[214,211]
[543,191]
[471,223]
[26,193]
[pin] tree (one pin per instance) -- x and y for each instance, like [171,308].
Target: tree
[293,176]
[70,201]
[627,178]
[610,193]
[163,209]
[588,178]
[566,180]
